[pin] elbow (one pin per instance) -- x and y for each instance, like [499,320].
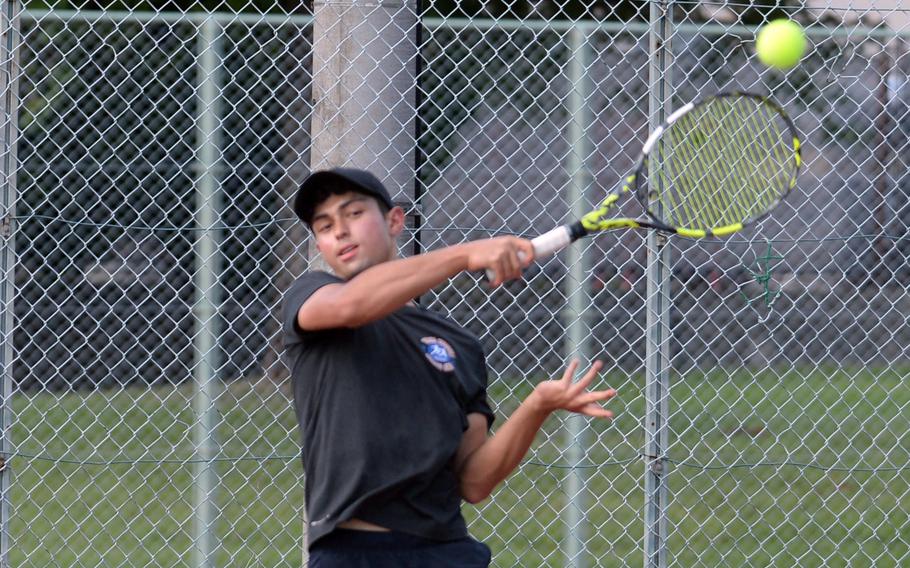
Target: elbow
[474,494]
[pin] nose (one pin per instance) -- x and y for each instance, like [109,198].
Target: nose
[341,228]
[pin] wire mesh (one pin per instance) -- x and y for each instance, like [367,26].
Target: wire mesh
[788,409]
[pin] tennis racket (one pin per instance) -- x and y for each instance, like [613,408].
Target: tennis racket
[717,165]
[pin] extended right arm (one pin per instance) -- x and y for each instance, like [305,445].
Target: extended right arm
[384,288]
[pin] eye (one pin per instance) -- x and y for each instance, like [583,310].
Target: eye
[323,228]
[356,212]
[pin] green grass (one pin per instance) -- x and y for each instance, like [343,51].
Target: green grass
[787,500]
[70,514]
[785,503]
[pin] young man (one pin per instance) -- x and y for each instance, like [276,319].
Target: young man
[391,398]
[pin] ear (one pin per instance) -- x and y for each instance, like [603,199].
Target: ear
[395,220]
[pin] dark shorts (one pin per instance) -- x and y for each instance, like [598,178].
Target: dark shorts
[345,548]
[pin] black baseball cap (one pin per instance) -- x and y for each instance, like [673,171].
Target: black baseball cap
[362,181]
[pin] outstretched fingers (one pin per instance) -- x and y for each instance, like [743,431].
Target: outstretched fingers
[595,411]
[574,396]
[586,379]
[596,396]
[570,371]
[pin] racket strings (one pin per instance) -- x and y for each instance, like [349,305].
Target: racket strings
[725,162]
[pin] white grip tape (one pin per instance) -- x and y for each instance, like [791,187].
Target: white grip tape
[545,245]
[551,241]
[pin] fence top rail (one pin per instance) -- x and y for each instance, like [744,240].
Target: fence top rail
[878,32]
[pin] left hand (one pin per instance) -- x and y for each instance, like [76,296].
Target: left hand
[563,394]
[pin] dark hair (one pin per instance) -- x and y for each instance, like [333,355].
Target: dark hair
[341,187]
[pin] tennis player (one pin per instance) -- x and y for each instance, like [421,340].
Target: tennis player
[390,397]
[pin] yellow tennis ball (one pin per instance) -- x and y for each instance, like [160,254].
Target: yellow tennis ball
[780,44]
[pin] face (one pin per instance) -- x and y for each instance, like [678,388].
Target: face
[352,234]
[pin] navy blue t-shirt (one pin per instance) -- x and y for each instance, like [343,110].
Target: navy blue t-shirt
[382,409]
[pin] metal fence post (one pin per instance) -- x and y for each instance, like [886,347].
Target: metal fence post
[208,293]
[9,55]
[578,330]
[657,353]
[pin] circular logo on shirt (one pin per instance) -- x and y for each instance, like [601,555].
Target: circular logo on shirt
[439,353]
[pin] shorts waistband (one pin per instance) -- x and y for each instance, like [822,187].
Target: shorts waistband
[348,539]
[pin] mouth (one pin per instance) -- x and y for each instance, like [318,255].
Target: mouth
[347,252]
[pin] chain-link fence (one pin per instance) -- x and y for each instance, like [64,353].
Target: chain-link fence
[147,418]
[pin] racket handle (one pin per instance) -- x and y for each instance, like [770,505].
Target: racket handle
[546,244]
[552,241]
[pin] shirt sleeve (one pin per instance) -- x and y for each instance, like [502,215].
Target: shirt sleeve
[299,292]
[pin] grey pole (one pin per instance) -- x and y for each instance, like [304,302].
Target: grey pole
[9,54]
[657,334]
[208,293]
[578,331]
[364,90]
